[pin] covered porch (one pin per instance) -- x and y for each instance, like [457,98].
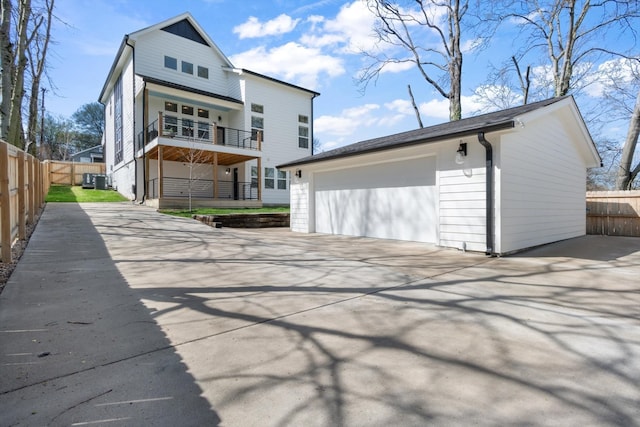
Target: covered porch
[194,151]
[180,172]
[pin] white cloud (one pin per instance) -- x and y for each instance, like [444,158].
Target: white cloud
[292,62]
[617,72]
[436,108]
[468,46]
[336,130]
[439,108]
[397,67]
[349,32]
[402,106]
[348,122]
[254,28]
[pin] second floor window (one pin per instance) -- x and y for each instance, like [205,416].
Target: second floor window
[257,125]
[303,131]
[170,62]
[187,67]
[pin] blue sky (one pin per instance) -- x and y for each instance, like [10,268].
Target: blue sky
[314,44]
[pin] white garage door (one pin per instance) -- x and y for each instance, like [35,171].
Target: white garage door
[394,200]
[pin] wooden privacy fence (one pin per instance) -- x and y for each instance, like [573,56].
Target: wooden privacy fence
[613,213]
[70,173]
[24,183]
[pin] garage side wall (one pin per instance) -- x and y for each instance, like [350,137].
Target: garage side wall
[462,197]
[300,209]
[541,186]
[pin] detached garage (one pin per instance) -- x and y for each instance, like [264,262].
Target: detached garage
[495,183]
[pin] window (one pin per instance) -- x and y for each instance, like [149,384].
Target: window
[303,131]
[257,125]
[269,178]
[203,113]
[171,106]
[171,125]
[187,67]
[203,130]
[187,127]
[282,180]
[118,122]
[257,108]
[203,72]
[303,137]
[170,62]
[187,110]
[254,177]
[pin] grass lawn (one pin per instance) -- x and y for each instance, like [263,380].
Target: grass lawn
[219,211]
[65,193]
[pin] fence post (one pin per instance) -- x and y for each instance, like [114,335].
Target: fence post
[22,226]
[32,189]
[5,208]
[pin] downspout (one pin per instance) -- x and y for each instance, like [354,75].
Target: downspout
[311,121]
[489,192]
[133,78]
[145,136]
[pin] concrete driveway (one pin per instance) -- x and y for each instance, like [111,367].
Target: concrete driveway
[118,315]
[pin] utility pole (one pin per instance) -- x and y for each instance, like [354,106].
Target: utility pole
[42,124]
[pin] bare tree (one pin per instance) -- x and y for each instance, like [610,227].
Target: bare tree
[6,67]
[570,34]
[37,54]
[415,107]
[196,160]
[24,52]
[525,81]
[316,147]
[15,135]
[626,172]
[428,36]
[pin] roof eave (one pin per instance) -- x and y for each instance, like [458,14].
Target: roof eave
[123,44]
[495,127]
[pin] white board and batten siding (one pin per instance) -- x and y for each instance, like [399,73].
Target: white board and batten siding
[541,185]
[282,105]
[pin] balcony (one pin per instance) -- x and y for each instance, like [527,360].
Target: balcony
[199,132]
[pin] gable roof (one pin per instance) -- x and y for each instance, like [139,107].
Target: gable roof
[490,122]
[183,25]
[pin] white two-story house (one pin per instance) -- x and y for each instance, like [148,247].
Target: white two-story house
[183,125]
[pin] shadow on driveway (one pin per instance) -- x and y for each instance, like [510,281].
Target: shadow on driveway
[77,345]
[281,328]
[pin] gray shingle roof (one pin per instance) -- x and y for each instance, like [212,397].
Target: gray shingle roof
[499,120]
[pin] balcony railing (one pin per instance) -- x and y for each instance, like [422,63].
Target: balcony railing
[202,189]
[198,131]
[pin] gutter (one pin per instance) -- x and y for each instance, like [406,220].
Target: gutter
[489,193]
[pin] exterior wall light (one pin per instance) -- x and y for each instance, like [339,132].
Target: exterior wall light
[461,153]
[228,171]
[299,173]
